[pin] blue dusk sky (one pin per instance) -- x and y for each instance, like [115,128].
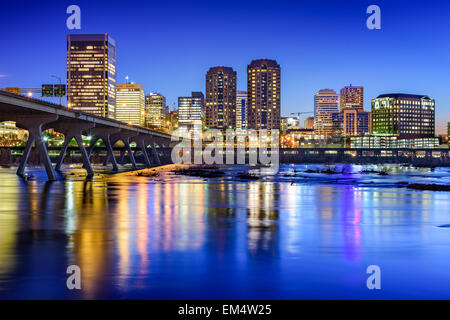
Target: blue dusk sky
[168,46]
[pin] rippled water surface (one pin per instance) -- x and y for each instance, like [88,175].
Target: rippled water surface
[293,236]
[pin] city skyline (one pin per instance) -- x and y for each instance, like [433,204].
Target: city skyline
[304,72]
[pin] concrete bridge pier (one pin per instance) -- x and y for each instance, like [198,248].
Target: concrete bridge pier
[155,152]
[125,137]
[105,134]
[142,143]
[34,125]
[74,130]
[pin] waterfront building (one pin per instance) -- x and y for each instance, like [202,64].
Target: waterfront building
[263,94]
[385,142]
[297,138]
[190,111]
[403,115]
[220,99]
[91,74]
[352,98]
[241,110]
[130,104]
[155,111]
[309,123]
[325,104]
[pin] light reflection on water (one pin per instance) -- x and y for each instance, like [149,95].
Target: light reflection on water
[308,236]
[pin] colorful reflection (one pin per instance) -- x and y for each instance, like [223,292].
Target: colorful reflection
[175,237]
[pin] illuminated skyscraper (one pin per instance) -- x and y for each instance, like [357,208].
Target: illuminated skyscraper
[403,115]
[352,97]
[263,94]
[130,104]
[91,74]
[155,110]
[190,111]
[241,110]
[325,104]
[220,100]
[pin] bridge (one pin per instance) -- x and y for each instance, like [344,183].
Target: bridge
[36,116]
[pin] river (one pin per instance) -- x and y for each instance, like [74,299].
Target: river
[295,235]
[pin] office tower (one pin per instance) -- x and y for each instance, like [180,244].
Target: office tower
[130,104]
[352,97]
[91,74]
[155,110]
[403,115]
[309,123]
[263,94]
[325,104]
[350,122]
[220,99]
[190,111]
[241,110]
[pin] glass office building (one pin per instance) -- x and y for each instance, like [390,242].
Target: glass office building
[130,104]
[91,74]
[403,115]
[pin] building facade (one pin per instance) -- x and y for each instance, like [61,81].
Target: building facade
[309,123]
[130,104]
[403,115]
[91,74]
[241,110]
[220,99]
[155,111]
[325,104]
[263,94]
[190,111]
[351,122]
[352,98]
[387,142]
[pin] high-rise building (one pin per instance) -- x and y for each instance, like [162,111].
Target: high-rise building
[190,111]
[403,115]
[91,74]
[220,99]
[325,104]
[309,123]
[352,97]
[263,94]
[155,110]
[241,110]
[130,104]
